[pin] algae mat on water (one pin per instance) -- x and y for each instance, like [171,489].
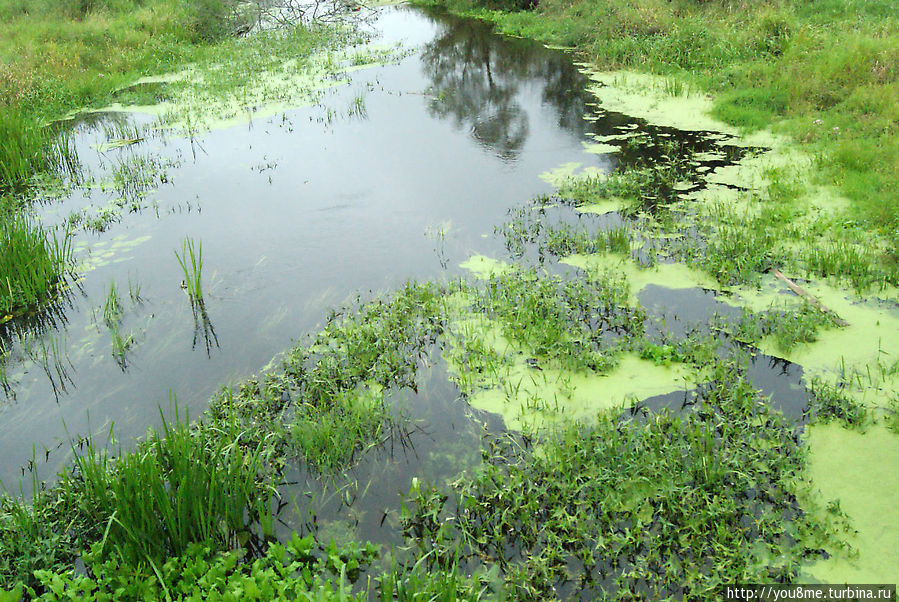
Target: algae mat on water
[861,471]
[767,208]
[266,75]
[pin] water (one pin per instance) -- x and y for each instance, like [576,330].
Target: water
[299,213]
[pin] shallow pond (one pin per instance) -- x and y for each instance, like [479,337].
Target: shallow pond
[401,172]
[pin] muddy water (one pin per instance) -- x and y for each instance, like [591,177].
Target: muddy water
[301,212]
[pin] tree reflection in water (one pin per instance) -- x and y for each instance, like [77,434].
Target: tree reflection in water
[478,79]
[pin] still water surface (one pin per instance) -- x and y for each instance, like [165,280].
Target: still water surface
[299,213]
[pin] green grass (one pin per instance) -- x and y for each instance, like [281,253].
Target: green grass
[299,569]
[24,150]
[566,322]
[177,489]
[113,313]
[328,403]
[191,261]
[33,264]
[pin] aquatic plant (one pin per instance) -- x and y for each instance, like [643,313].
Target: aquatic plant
[191,262]
[357,107]
[567,321]
[831,402]
[288,571]
[328,402]
[112,310]
[22,152]
[113,313]
[33,264]
[663,506]
[177,489]
[134,289]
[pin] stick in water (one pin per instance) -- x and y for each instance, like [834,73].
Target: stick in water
[808,297]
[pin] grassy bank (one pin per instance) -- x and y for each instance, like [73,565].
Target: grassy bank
[824,72]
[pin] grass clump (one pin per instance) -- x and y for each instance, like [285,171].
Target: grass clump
[831,402]
[575,323]
[671,506]
[327,404]
[180,487]
[33,264]
[24,148]
[191,262]
[786,327]
[113,313]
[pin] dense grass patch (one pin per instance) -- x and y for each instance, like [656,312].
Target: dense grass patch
[179,488]
[327,404]
[33,263]
[300,569]
[669,506]
[573,323]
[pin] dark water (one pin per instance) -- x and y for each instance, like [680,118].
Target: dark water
[298,214]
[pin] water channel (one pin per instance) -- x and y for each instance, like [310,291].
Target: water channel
[302,212]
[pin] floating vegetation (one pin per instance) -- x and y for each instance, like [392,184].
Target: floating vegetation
[102,253]
[290,67]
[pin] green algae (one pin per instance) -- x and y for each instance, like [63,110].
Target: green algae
[505,378]
[254,84]
[603,207]
[600,148]
[648,97]
[572,170]
[484,267]
[668,275]
[98,254]
[860,357]
[529,398]
[861,472]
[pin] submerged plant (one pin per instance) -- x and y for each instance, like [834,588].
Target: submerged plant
[112,311]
